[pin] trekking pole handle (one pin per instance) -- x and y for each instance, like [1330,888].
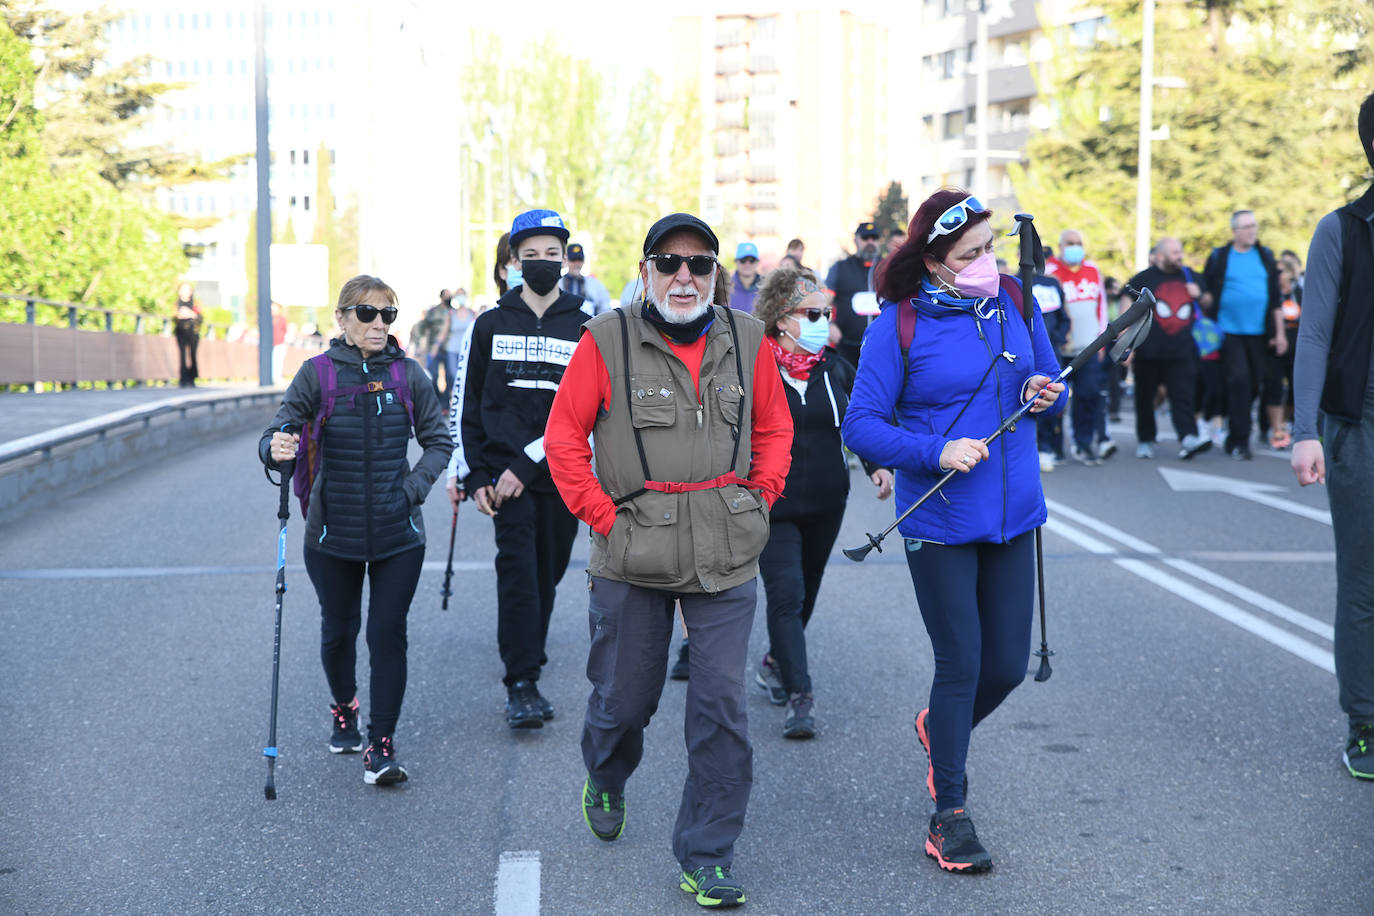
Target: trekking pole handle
[1123,321]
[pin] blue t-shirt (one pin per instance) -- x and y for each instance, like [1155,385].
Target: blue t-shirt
[1245,295]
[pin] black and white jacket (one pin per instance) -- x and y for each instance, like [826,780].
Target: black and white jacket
[509,368]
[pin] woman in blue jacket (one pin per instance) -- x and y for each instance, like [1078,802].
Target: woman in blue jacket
[972,362]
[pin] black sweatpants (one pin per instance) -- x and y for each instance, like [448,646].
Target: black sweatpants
[1179,377]
[791,566]
[391,586]
[1244,358]
[534,538]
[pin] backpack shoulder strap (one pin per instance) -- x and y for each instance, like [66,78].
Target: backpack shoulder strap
[398,376]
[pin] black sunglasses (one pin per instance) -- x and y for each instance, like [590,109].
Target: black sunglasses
[699,264]
[368,313]
[813,314]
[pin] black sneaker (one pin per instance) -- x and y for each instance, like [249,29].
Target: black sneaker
[713,886]
[1359,751]
[953,843]
[380,766]
[346,738]
[681,669]
[522,706]
[604,812]
[1240,453]
[545,707]
[770,679]
[801,720]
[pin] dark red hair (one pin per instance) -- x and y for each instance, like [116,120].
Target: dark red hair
[900,275]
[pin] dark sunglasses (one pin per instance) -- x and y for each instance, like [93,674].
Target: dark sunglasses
[955,216]
[813,314]
[699,264]
[368,313]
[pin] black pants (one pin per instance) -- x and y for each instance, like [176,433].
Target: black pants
[534,538]
[1211,388]
[1179,377]
[1244,357]
[791,566]
[186,356]
[391,585]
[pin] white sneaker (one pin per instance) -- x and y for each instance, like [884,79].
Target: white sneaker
[1105,449]
[1046,462]
[1145,450]
[1192,445]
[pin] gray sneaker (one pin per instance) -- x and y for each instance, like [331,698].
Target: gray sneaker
[603,811]
[1193,444]
[770,679]
[1145,450]
[801,720]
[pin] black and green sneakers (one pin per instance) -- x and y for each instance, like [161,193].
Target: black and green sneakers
[713,886]
[604,812]
[1359,751]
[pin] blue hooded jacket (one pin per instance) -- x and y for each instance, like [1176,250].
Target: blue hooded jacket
[949,391]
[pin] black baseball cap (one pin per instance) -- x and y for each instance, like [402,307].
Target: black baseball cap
[866,231]
[675,221]
[576,253]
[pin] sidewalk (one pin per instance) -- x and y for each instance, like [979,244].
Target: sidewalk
[25,414]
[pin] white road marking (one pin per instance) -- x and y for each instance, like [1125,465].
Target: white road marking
[1194,481]
[1225,610]
[1263,602]
[517,884]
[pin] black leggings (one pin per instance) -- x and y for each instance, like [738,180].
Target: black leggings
[391,585]
[792,564]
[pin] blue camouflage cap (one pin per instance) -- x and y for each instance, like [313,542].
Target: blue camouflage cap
[537,222]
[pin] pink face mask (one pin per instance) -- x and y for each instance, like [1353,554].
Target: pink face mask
[979,280]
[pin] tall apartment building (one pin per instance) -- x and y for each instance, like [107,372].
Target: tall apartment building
[357,77]
[800,139]
[946,99]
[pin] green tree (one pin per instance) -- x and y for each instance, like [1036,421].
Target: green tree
[1240,135]
[92,107]
[546,128]
[68,234]
[892,209]
[335,229]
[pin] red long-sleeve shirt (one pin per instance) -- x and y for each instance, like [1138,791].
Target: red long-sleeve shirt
[586,388]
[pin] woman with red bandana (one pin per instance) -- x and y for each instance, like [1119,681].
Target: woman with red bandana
[795,311]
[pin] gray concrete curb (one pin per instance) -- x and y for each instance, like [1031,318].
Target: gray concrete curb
[37,470]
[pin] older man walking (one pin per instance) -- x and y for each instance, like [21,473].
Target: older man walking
[692,444]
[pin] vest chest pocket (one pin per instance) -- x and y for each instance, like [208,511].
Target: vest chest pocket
[729,395]
[653,401]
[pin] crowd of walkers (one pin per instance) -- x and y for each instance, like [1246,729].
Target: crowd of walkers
[704,430]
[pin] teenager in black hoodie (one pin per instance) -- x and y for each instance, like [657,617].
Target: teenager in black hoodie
[806,520]
[508,371]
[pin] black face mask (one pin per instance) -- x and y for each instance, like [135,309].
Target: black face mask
[541,276]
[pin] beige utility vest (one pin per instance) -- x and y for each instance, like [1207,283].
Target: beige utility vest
[699,541]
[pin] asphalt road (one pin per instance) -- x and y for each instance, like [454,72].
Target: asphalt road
[1185,756]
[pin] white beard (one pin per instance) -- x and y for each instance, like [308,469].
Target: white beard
[673,316]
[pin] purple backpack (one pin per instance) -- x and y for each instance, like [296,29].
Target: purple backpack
[311,455]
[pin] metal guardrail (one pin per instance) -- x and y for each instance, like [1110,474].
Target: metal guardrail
[74,310]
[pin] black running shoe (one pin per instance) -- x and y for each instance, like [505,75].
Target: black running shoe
[380,766]
[545,707]
[681,669]
[953,843]
[346,738]
[604,812]
[522,706]
[1359,751]
[801,719]
[770,679]
[713,886]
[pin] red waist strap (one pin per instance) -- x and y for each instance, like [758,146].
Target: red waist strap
[724,480]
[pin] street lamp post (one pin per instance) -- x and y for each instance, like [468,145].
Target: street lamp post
[264,164]
[1143,165]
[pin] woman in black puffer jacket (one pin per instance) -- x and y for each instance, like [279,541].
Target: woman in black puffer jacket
[795,312]
[363,506]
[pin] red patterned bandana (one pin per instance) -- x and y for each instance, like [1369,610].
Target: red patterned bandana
[799,364]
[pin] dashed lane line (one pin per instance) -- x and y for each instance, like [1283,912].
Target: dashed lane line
[517,884]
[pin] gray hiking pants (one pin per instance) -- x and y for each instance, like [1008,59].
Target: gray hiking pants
[631,628]
[1350,487]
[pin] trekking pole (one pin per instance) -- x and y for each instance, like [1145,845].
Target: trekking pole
[283,513]
[448,573]
[1131,326]
[1031,262]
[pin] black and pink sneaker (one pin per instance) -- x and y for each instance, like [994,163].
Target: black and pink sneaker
[380,766]
[346,738]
